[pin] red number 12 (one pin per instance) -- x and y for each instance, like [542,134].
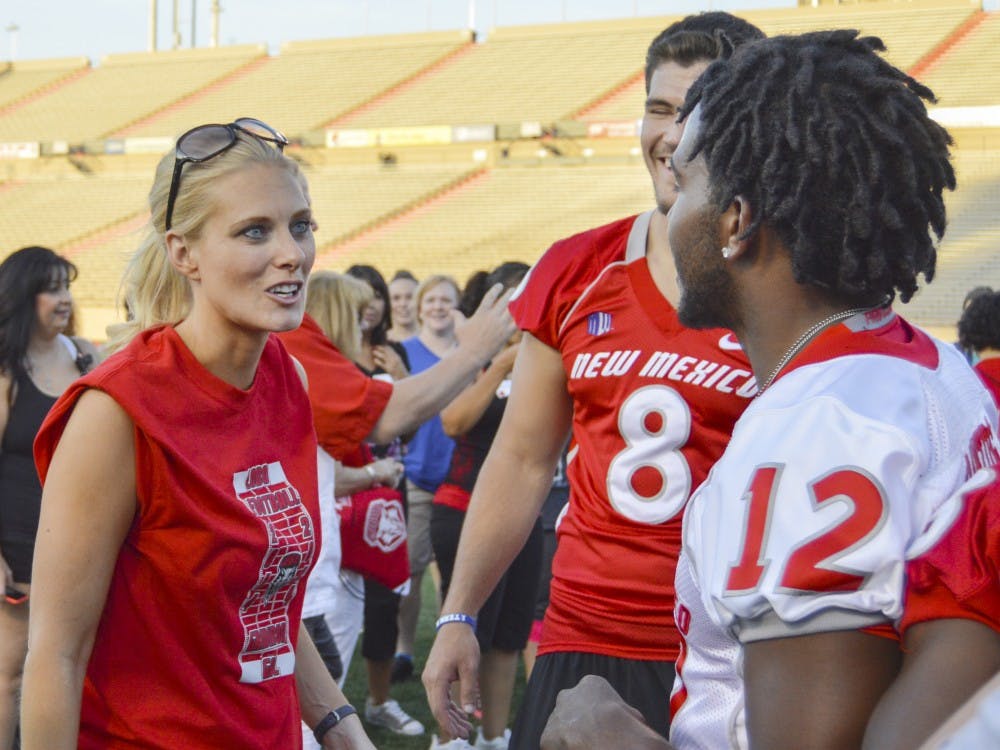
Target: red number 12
[810,566]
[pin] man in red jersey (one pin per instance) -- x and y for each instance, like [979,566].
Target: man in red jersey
[349,407]
[950,627]
[651,404]
[784,602]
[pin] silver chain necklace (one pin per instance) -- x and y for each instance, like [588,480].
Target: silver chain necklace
[812,332]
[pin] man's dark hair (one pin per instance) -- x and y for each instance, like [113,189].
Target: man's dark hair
[699,37]
[402,273]
[835,151]
[979,326]
[975,292]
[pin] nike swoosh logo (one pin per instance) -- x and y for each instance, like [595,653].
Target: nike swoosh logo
[728,343]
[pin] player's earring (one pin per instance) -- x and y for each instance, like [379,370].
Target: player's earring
[727,252]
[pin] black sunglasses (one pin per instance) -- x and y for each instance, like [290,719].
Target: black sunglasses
[208,141]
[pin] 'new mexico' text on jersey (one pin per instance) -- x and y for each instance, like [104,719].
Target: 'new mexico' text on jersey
[653,407]
[805,524]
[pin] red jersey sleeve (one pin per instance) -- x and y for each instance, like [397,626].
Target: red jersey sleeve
[959,577]
[989,373]
[346,403]
[551,289]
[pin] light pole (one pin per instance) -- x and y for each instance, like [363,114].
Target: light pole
[12,29]
[176,43]
[151,38]
[214,39]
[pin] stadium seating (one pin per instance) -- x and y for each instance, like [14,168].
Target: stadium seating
[118,91]
[530,73]
[456,207]
[500,216]
[21,80]
[309,83]
[909,36]
[969,255]
[59,211]
[348,199]
[966,75]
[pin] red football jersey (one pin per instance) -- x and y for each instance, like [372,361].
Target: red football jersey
[989,373]
[959,576]
[346,403]
[654,405]
[196,643]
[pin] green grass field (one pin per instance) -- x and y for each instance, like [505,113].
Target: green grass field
[410,694]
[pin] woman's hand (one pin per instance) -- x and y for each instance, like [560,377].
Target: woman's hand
[388,472]
[504,361]
[386,358]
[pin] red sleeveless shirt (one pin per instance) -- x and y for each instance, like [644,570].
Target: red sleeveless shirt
[196,644]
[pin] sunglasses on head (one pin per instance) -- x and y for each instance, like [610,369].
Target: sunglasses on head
[208,141]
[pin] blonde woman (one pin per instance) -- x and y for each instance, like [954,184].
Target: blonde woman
[172,552]
[336,302]
[335,597]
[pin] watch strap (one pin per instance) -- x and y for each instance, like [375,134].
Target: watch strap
[331,720]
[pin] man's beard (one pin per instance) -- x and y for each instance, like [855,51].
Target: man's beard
[708,292]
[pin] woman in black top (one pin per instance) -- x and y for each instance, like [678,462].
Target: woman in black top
[384,359]
[38,361]
[379,356]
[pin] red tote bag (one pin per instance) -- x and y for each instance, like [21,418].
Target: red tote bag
[373,536]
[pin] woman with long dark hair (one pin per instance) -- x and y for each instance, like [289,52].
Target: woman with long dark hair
[378,354]
[384,359]
[39,358]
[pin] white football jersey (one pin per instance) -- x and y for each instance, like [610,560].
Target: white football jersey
[803,525]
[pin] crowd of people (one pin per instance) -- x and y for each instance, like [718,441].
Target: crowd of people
[693,465]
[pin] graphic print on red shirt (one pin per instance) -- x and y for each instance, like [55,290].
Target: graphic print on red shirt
[266,492]
[207,589]
[653,406]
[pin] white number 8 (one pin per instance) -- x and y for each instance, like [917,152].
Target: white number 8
[655,423]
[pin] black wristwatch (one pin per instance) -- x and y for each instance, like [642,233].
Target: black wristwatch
[331,720]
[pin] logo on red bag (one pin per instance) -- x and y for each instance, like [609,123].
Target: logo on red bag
[385,525]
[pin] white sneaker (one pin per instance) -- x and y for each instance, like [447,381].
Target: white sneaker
[497,743]
[456,744]
[391,716]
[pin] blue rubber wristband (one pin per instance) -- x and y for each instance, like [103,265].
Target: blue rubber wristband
[455,617]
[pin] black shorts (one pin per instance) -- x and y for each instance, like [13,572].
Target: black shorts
[322,638]
[645,685]
[18,555]
[553,506]
[378,640]
[504,622]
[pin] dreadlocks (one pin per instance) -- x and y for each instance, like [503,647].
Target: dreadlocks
[834,149]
